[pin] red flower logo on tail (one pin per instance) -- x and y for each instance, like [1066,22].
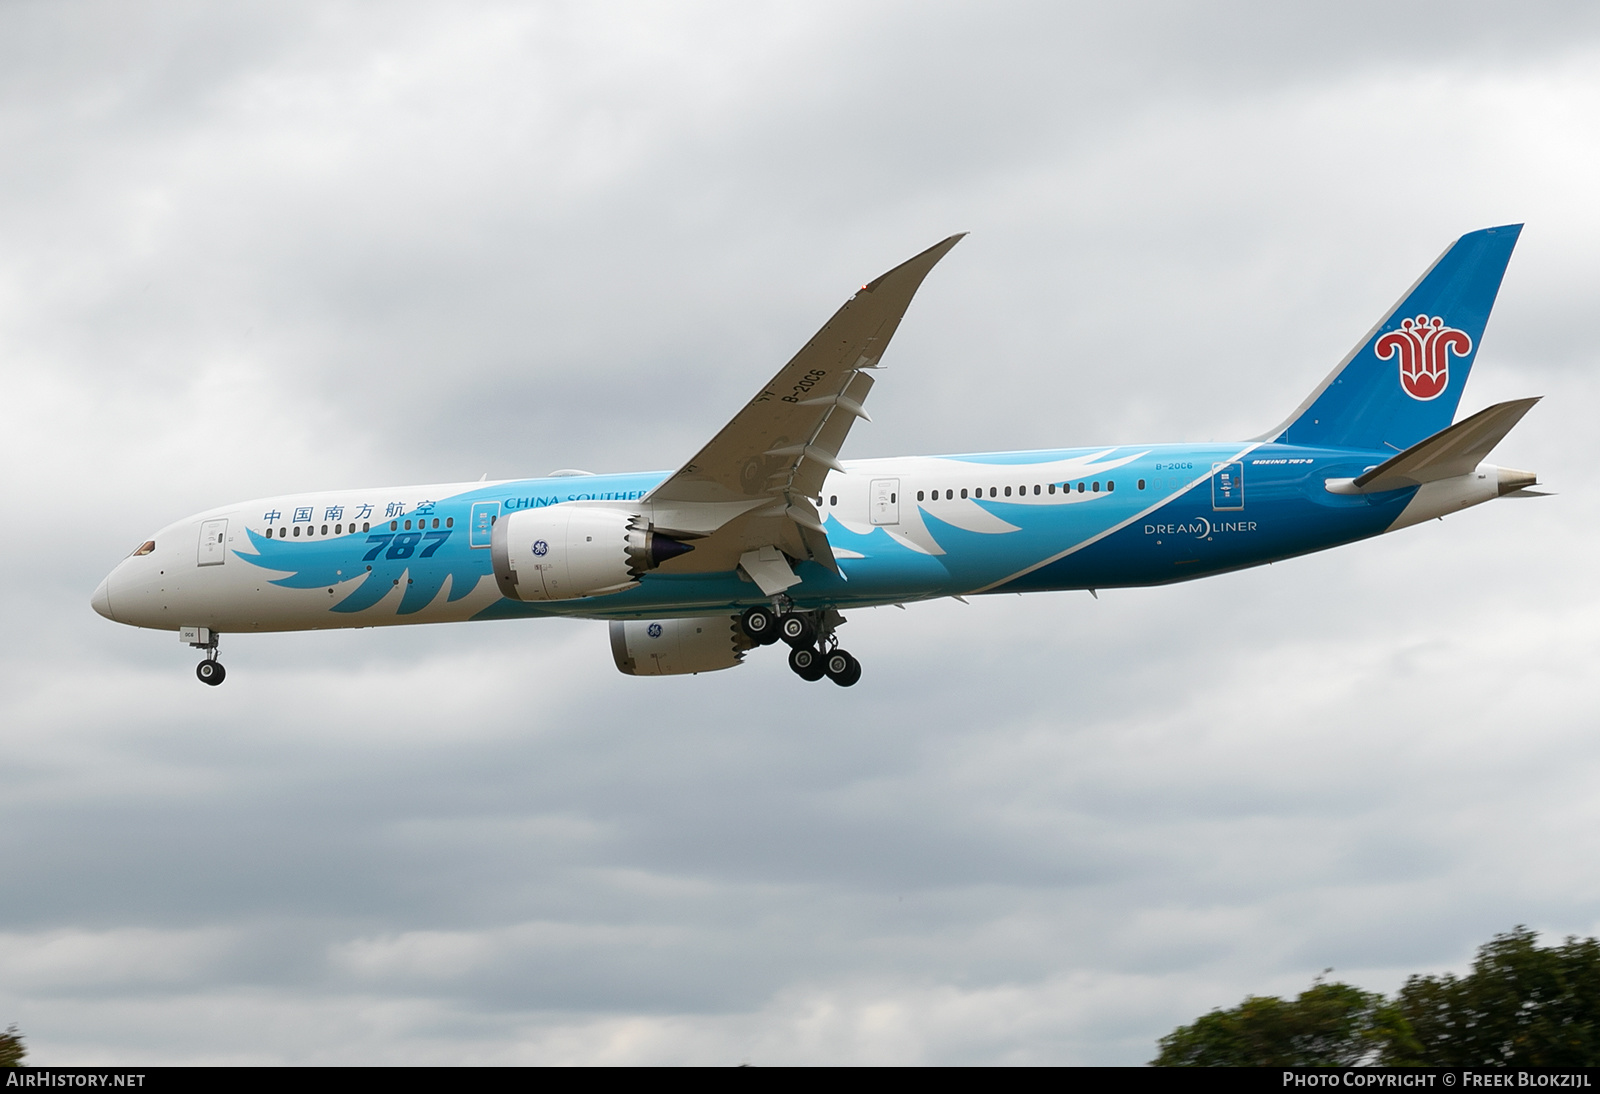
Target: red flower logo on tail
[1423,346]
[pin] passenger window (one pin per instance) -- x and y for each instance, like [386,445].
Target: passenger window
[1052,488]
[1141,484]
[394,526]
[963,491]
[338,529]
[408,526]
[1080,488]
[1036,489]
[1096,488]
[449,522]
[919,495]
[993,493]
[833,500]
[1110,486]
[1008,491]
[950,494]
[324,529]
[436,522]
[894,499]
[365,527]
[297,530]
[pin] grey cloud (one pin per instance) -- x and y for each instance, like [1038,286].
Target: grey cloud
[271,248]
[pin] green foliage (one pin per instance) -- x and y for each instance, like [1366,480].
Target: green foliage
[11,1048]
[1520,1006]
[1328,1025]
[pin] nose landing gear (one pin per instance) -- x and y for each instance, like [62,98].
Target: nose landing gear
[210,671]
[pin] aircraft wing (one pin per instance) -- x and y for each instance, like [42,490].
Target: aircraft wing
[753,487]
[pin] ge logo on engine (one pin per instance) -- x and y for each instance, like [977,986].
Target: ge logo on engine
[540,548]
[654,630]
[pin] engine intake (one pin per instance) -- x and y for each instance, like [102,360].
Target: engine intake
[568,552]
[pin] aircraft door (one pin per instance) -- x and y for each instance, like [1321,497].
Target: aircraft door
[213,543]
[484,514]
[1227,486]
[885,501]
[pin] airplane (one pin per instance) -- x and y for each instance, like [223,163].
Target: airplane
[767,535]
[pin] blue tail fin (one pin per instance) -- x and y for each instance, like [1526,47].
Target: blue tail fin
[1404,380]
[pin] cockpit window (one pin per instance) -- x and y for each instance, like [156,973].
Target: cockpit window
[144,548]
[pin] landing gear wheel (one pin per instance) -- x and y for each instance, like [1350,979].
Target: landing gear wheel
[797,629]
[211,672]
[806,663]
[841,668]
[759,625]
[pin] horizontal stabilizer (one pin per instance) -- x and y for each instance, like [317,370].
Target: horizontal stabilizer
[1454,450]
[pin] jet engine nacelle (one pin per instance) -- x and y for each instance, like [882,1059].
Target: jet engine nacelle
[566,552]
[671,647]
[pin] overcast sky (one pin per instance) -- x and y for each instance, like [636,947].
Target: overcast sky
[251,249]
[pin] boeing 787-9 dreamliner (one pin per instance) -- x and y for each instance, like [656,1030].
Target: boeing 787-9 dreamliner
[767,534]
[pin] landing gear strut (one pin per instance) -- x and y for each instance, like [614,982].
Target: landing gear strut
[210,671]
[813,646]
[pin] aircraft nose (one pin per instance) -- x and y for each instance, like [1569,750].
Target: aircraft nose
[101,600]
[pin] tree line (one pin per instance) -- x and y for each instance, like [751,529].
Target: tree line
[1522,1005]
[11,1048]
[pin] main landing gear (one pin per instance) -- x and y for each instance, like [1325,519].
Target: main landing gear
[210,671]
[813,647]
